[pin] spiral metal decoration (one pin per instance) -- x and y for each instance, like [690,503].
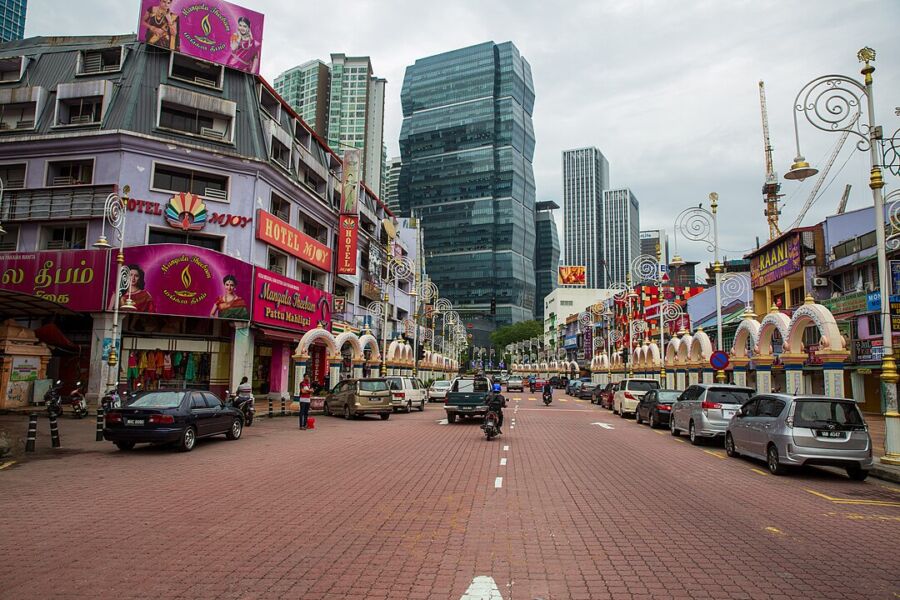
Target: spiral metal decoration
[428,335]
[891,153]
[671,311]
[375,309]
[735,286]
[616,336]
[834,103]
[442,305]
[892,240]
[645,267]
[409,326]
[428,291]
[124,279]
[585,319]
[621,289]
[696,224]
[400,268]
[598,344]
[114,210]
[638,327]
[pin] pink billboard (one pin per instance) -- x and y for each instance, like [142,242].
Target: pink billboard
[284,302]
[183,280]
[71,278]
[212,30]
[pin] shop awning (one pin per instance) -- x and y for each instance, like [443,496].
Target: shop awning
[51,335]
[280,335]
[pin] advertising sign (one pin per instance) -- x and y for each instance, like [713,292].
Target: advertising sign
[350,183]
[570,341]
[71,278]
[276,232]
[895,277]
[847,303]
[572,275]
[182,280]
[776,263]
[212,30]
[25,368]
[868,350]
[348,239]
[283,302]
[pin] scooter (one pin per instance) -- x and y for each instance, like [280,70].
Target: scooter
[52,399]
[548,398]
[489,426]
[245,404]
[76,400]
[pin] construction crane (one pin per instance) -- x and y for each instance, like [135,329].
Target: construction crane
[771,187]
[842,206]
[812,195]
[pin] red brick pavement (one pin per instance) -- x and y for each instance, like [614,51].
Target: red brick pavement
[408,509]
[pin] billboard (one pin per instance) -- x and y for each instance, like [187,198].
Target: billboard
[572,275]
[182,280]
[347,244]
[276,232]
[776,263]
[70,278]
[284,302]
[211,30]
[350,183]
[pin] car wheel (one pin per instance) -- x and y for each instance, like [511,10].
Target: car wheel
[451,418]
[188,439]
[730,450]
[326,410]
[692,435]
[775,467]
[422,406]
[347,414]
[672,429]
[409,406]
[652,422]
[637,417]
[385,416]
[857,473]
[125,445]
[237,427]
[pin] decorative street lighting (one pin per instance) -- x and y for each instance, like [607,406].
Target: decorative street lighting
[398,269]
[114,211]
[834,103]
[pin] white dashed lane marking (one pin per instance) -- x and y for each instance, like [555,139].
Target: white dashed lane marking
[506,448]
[502,462]
[498,483]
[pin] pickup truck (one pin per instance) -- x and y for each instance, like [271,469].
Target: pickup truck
[466,397]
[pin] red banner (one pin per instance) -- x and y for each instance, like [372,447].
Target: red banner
[347,243]
[276,232]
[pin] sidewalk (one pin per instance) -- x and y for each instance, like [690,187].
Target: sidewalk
[880,469]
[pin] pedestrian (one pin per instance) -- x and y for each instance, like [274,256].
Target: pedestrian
[305,396]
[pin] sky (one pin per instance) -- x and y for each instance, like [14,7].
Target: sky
[668,91]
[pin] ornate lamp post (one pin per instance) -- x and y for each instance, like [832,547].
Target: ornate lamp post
[834,103]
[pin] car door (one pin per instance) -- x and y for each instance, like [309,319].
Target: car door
[201,414]
[767,412]
[681,410]
[740,427]
[645,404]
[219,420]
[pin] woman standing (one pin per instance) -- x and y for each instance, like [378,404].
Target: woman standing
[305,397]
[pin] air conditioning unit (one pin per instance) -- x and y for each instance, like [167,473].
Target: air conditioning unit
[81,119]
[215,194]
[26,124]
[820,282]
[206,82]
[212,133]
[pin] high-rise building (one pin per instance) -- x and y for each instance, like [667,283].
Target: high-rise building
[585,176]
[546,254]
[305,88]
[653,241]
[12,19]
[389,189]
[621,232]
[467,144]
[344,103]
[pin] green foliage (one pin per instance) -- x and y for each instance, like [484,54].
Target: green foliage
[516,332]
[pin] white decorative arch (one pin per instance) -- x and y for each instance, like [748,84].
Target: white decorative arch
[311,337]
[774,321]
[672,350]
[684,349]
[653,355]
[368,341]
[395,351]
[348,337]
[603,361]
[700,348]
[747,330]
[573,366]
[814,314]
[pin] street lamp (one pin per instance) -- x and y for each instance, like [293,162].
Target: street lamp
[834,103]
[114,211]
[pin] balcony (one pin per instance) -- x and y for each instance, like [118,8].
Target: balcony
[55,204]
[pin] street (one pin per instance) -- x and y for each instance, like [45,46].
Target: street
[570,502]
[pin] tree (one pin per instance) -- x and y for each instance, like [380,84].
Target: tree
[510,334]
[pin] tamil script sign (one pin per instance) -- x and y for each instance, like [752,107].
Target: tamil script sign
[212,30]
[70,278]
[777,262]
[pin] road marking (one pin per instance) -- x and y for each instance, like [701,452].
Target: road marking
[680,441]
[853,501]
[889,487]
[604,425]
[483,588]
[443,422]
[533,399]
[563,400]
[858,517]
[773,530]
[659,432]
[759,471]
[502,462]
[498,483]
[7,464]
[714,453]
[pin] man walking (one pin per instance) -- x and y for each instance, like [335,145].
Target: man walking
[305,396]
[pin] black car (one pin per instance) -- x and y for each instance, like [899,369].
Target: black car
[560,383]
[586,390]
[172,417]
[655,407]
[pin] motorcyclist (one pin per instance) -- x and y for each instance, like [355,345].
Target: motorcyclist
[495,402]
[244,388]
[548,389]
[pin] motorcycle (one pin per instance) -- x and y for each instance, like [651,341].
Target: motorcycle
[78,403]
[490,427]
[548,398]
[112,399]
[245,404]
[52,399]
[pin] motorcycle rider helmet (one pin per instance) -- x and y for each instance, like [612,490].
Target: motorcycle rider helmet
[496,388]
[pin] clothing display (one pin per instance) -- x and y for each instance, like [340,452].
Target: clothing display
[155,369]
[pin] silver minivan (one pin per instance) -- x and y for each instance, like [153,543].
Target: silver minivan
[704,410]
[786,430]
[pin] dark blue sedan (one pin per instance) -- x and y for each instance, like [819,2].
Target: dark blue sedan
[176,417]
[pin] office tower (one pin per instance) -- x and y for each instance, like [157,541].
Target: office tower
[305,88]
[12,19]
[585,176]
[389,195]
[467,144]
[621,232]
[546,255]
[653,240]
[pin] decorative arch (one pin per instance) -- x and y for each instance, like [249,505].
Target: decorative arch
[653,355]
[684,349]
[368,341]
[349,337]
[814,314]
[311,337]
[395,351]
[700,347]
[774,321]
[573,366]
[603,361]
[672,350]
[748,330]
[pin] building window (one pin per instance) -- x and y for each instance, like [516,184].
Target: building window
[174,179]
[316,232]
[70,172]
[269,103]
[17,116]
[13,176]
[79,111]
[797,296]
[69,237]
[874,324]
[165,236]
[92,62]
[281,154]
[312,278]
[9,241]
[198,72]
[180,111]
[11,69]
[277,262]
[281,208]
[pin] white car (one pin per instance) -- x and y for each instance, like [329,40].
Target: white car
[406,392]
[438,390]
[629,393]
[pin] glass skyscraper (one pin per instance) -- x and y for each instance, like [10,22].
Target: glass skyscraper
[546,255]
[621,232]
[305,88]
[585,176]
[467,145]
[12,19]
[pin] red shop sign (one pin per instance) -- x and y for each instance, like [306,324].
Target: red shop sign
[348,240]
[276,232]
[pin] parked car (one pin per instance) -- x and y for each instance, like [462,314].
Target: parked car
[572,386]
[604,396]
[656,406]
[406,392]
[177,417]
[786,431]
[629,392]
[586,390]
[355,397]
[704,410]
[515,384]
[437,392]
[537,384]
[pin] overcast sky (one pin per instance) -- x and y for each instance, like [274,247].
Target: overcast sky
[668,91]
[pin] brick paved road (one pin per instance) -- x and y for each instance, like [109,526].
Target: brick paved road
[410,508]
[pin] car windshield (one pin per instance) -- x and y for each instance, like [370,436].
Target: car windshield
[668,395]
[376,385]
[158,400]
[472,385]
[515,380]
[440,384]
[395,384]
[815,413]
[642,386]
[729,396]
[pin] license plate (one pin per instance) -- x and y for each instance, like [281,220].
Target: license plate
[728,413]
[374,399]
[134,421]
[466,408]
[830,434]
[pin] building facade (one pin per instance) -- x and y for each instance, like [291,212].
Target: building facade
[12,19]
[467,144]
[621,232]
[546,255]
[585,176]
[392,179]
[655,242]
[305,89]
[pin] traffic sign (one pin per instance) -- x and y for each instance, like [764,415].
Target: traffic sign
[719,360]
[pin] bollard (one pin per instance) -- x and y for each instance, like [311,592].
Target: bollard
[54,432]
[99,423]
[32,432]
[282,406]
[271,414]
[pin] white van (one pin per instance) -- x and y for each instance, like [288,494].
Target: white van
[406,392]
